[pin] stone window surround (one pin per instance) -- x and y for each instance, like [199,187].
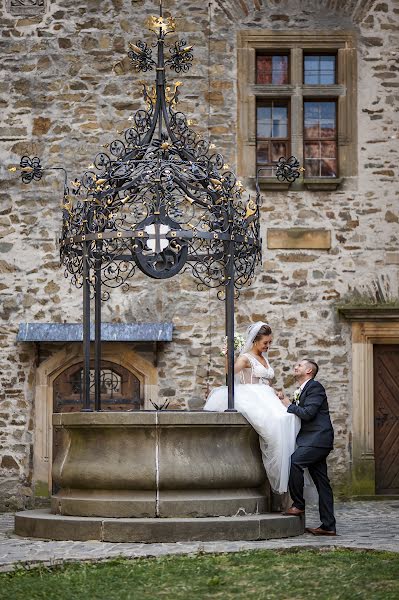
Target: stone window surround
[47,372]
[369,327]
[345,91]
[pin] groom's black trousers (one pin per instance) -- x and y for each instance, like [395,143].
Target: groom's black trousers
[315,460]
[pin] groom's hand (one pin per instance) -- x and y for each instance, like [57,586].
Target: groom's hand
[280,395]
[285,400]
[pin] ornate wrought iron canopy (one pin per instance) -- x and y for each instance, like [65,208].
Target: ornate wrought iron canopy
[159,199]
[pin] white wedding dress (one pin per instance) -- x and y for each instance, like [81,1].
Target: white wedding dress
[277,429]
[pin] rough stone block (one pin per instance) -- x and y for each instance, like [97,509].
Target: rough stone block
[212,503]
[299,238]
[278,526]
[42,524]
[181,530]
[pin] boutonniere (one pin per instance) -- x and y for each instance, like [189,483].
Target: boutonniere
[297,393]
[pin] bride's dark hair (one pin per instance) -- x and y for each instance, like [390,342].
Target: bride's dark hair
[264,330]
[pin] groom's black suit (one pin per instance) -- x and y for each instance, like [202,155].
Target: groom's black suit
[315,442]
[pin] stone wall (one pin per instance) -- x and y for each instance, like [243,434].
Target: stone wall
[61,100]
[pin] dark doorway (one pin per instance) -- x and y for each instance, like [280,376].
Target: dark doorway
[386,418]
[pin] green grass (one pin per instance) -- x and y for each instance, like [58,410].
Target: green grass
[260,575]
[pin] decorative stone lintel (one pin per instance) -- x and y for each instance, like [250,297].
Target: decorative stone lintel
[322,183]
[299,238]
[369,313]
[110,332]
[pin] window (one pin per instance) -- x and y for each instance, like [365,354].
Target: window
[319,69]
[271,69]
[272,134]
[320,138]
[120,389]
[297,96]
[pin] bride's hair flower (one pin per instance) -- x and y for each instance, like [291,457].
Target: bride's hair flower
[239,342]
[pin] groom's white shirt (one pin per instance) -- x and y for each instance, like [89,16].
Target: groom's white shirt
[303,384]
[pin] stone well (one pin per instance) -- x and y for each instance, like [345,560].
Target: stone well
[158,464]
[157,476]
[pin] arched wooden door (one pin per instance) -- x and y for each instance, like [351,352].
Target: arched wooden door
[120,389]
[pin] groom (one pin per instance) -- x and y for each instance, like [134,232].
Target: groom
[314,443]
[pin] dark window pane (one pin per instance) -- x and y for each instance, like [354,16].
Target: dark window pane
[272,69]
[327,110]
[320,125]
[312,168]
[327,69]
[279,149]
[312,110]
[280,121]
[319,120]
[311,63]
[327,129]
[280,70]
[312,150]
[280,113]
[272,134]
[319,69]
[326,78]
[328,149]
[312,79]
[263,152]
[311,130]
[328,62]
[328,167]
[279,129]
[264,121]
[263,69]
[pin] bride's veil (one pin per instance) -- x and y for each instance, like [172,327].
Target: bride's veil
[252,332]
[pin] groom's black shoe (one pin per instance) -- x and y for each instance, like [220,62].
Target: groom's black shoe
[294,511]
[319,531]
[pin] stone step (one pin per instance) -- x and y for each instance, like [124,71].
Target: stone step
[43,524]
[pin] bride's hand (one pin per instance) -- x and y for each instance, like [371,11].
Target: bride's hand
[280,395]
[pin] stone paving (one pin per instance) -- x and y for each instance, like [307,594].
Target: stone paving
[361,525]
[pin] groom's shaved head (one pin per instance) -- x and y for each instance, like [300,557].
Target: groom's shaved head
[311,364]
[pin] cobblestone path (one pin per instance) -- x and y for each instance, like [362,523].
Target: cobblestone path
[365,525]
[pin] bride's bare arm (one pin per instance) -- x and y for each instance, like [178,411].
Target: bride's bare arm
[241,363]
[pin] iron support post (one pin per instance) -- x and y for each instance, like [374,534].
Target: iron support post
[97,332]
[86,330]
[229,306]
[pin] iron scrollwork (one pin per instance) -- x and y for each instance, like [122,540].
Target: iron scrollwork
[288,169]
[159,198]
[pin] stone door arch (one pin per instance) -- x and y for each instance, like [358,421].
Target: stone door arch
[46,375]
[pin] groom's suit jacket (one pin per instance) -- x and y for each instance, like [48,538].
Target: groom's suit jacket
[316,429]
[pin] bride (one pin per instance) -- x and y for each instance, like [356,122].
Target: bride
[258,402]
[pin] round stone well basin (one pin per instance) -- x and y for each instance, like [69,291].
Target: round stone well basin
[158,464]
[168,476]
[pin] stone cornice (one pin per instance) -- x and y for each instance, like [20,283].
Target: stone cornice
[369,313]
